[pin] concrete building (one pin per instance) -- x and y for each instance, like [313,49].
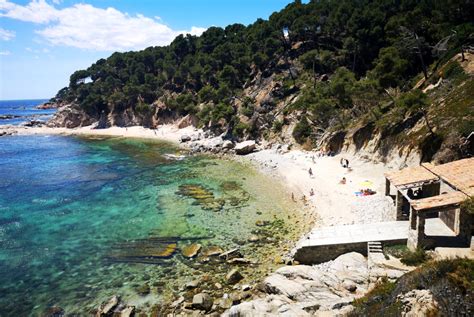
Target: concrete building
[429,197]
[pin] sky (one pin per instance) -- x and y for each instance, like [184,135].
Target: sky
[42,42]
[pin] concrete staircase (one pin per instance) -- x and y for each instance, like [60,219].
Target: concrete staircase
[374,253]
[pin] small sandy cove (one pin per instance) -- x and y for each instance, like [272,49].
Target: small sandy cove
[333,203]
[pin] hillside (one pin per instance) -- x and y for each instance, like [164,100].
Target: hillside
[385,78]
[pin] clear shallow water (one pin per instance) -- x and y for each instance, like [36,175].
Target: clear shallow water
[22,111]
[74,214]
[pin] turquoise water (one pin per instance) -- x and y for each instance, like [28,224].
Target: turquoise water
[79,216]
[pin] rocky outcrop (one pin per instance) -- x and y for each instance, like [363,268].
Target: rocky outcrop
[418,303]
[302,290]
[70,116]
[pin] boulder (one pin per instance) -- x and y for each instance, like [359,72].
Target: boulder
[127,311]
[191,250]
[234,276]
[185,138]
[202,301]
[245,147]
[106,308]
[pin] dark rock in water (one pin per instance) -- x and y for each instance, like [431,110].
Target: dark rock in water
[54,311]
[233,253]
[8,116]
[191,250]
[202,301]
[143,290]
[234,276]
[262,223]
[107,308]
[48,105]
[34,123]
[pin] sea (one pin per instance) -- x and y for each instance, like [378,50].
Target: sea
[16,112]
[84,219]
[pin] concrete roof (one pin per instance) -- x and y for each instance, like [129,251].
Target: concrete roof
[443,200]
[410,175]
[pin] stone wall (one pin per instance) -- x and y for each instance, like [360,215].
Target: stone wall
[323,253]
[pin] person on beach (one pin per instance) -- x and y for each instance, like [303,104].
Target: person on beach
[310,172]
[311,192]
[293,197]
[304,199]
[343,181]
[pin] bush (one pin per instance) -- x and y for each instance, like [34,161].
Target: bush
[240,129]
[407,257]
[277,125]
[414,258]
[302,131]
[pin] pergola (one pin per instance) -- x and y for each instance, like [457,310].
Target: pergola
[457,179]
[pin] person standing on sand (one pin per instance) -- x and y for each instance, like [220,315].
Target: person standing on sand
[310,172]
[311,192]
[293,197]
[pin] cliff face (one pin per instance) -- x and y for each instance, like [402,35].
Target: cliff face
[400,139]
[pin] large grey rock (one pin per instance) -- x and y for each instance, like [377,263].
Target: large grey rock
[202,301]
[245,147]
[303,290]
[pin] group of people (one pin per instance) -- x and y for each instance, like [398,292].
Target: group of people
[344,162]
[417,194]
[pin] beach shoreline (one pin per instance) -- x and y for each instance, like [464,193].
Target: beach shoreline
[332,203]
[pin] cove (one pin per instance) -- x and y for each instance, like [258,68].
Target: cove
[84,219]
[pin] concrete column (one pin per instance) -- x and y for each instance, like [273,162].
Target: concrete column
[464,227]
[416,236]
[387,187]
[399,205]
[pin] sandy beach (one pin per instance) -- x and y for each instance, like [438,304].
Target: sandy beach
[333,203]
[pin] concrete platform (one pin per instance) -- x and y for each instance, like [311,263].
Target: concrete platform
[326,243]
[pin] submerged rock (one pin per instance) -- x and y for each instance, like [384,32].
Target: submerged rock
[143,290]
[192,284]
[54,311]
[106,308]
[213,251]
[202,301]
[191,250]
[234,276]
[127,311]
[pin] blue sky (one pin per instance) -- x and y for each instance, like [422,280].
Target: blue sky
[43,41]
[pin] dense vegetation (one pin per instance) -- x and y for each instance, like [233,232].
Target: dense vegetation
[345,60]
[451,283]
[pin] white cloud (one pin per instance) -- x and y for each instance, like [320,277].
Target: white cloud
[88,27]
[5,53]
[6,35]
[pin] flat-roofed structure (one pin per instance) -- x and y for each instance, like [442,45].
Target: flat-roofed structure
[418,198]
